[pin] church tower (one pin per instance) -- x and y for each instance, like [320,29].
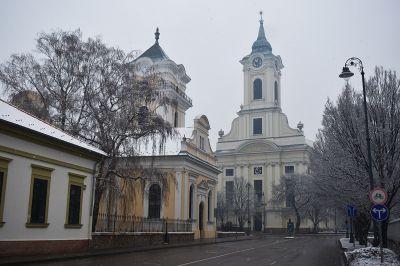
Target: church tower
[173,84]
[261,147]
[262,75]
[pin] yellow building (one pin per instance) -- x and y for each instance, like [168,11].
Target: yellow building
[172,188]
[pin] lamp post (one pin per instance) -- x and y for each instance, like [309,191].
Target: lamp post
[346,75]
[248,207]
[264,204]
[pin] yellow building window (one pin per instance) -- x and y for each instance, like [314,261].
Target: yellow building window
[3,180]
[76,186]
[39,196]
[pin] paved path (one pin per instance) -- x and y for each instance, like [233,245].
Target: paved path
[268,250]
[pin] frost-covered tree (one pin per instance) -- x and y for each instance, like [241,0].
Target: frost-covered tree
[340,160]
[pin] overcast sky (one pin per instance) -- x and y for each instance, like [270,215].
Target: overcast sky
[209,37]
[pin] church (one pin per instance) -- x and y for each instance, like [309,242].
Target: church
[179,176]
[261,147]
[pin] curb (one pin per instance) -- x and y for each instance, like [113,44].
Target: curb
[105,252]
[345,260]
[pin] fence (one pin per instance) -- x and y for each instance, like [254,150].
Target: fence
[126,223]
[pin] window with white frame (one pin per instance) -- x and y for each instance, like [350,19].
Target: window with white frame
[229,172]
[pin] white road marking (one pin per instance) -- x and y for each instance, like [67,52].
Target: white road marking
[215,257]
[230,253]
[272,263]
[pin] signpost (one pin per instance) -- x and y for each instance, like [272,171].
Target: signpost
[351,212]
[379,212]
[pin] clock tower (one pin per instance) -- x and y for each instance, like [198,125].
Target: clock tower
[261,147]
[262,75]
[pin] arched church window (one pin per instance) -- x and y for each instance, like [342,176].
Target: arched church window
[257,89]
[276,91]
[191,202]
[176,119]
[209,207]
[154,201]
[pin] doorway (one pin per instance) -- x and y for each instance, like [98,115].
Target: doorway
[201,218]
[258,221]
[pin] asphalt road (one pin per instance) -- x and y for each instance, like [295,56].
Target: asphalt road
[268,250]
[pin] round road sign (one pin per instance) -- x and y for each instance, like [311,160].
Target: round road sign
[379,212]
[378,196]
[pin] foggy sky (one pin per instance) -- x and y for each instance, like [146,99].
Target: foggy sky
[313,37]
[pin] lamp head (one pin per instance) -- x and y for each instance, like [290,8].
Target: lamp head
[346,74]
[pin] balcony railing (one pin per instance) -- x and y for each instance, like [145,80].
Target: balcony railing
[167,85]
[126,223]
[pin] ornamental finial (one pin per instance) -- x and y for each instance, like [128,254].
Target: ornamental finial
[157,34]
[261,18]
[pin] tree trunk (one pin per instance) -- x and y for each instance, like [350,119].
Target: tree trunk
[298,220]
[96,205]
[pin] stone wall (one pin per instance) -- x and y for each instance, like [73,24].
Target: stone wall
[138,239]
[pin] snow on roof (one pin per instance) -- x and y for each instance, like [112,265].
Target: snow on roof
[16,116]
[171,146]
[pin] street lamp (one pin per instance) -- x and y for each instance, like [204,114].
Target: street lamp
[248,206]
[346,75]
[263,205]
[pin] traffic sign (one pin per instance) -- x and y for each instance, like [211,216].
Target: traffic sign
[378,196]
[351,211]
[379,212]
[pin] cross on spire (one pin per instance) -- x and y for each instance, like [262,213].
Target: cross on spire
[261,18]
[157,34]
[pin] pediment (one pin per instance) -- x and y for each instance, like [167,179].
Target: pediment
[257,147]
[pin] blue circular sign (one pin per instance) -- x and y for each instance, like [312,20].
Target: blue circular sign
[379,212]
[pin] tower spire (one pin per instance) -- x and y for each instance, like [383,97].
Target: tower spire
[157,35]
[261,44]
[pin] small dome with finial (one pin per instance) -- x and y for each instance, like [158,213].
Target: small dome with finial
[221,133]
[155,52]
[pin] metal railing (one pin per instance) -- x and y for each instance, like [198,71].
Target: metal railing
[127,223]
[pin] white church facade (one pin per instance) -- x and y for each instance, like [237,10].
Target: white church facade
[261,147]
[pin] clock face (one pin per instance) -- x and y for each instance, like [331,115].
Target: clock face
[257,62]
[258,170]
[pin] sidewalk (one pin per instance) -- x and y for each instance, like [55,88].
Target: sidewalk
[104,252]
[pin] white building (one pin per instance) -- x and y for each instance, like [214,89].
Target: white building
[46,186]
[173,77]
[261,147]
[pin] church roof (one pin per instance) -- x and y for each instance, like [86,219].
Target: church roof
[155,51]
[261,45]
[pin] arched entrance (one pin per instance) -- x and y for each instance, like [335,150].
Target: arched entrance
[201,219]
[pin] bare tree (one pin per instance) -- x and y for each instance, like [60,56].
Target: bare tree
[242,200]
[222,209]
[91,92]
[341,154]
[294,191]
